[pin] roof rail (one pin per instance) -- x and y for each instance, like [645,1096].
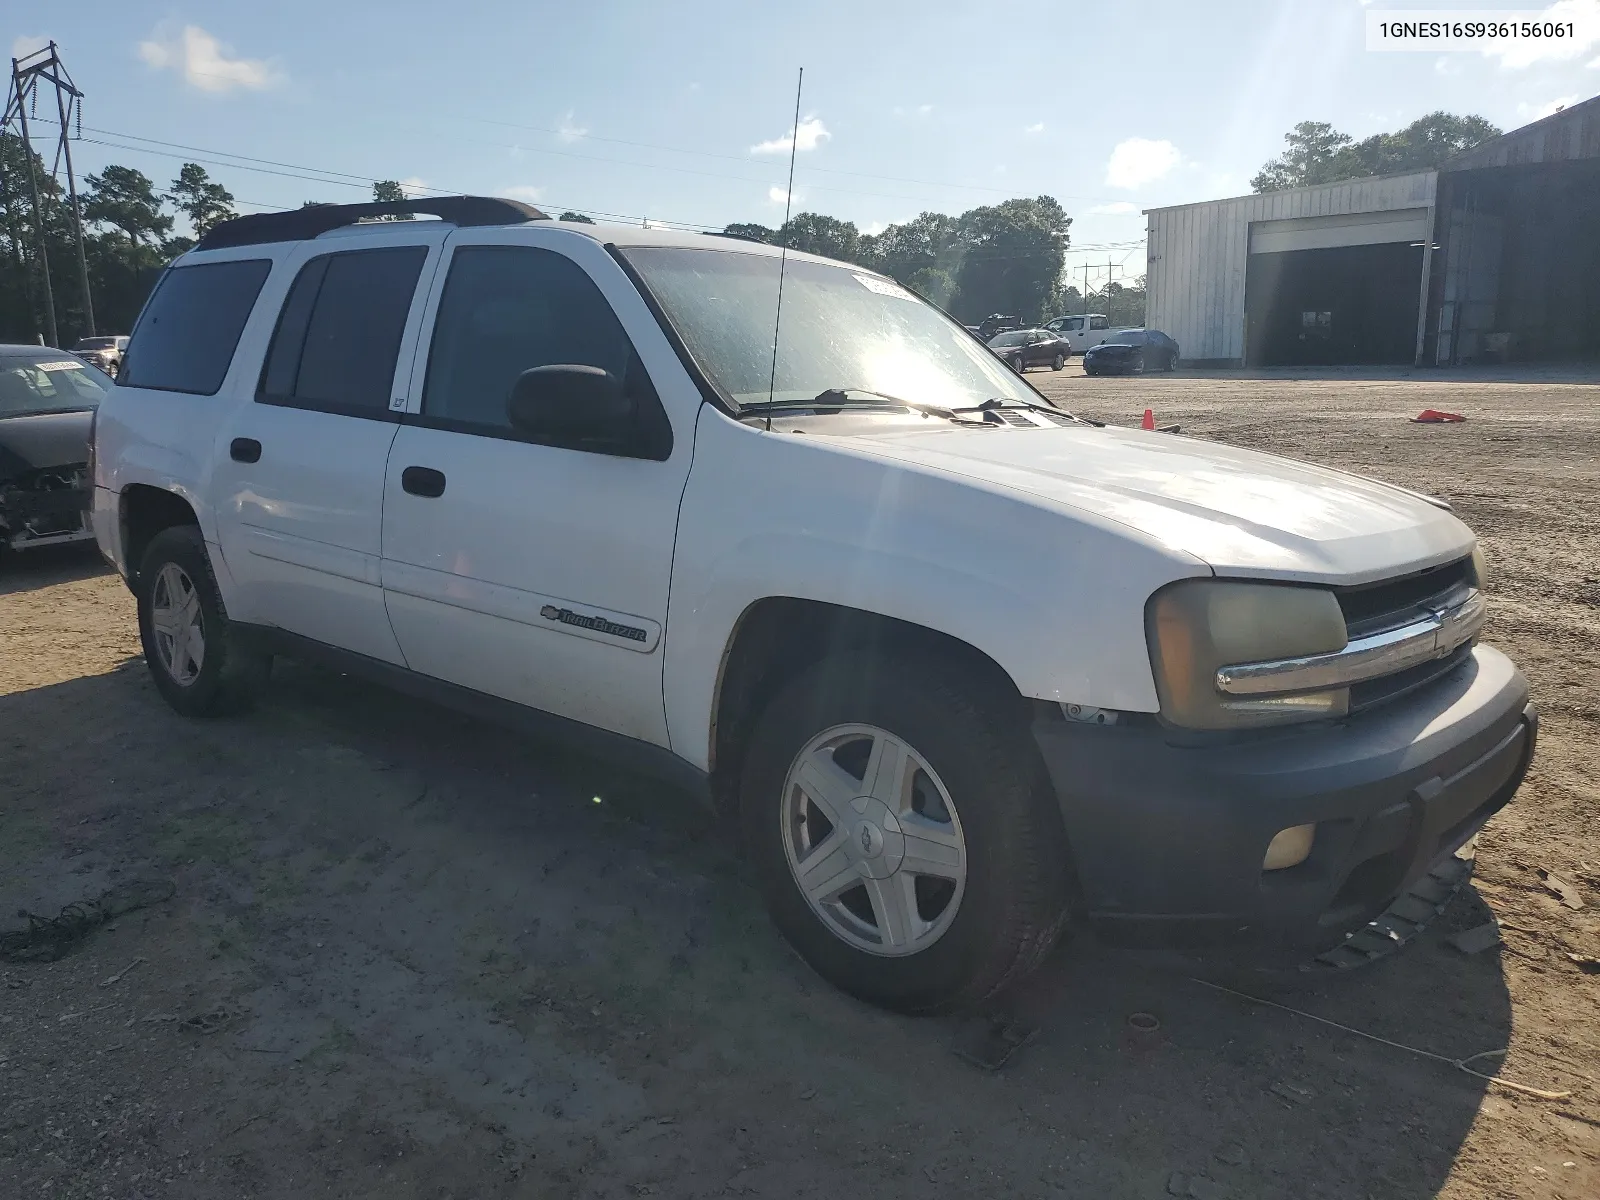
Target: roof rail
[300,224]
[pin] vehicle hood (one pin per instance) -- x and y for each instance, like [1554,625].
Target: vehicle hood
[1244,513]
[43,440]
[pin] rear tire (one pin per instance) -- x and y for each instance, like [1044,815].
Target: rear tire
[970,802]
[198,661]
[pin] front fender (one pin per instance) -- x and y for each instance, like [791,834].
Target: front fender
[1054,597]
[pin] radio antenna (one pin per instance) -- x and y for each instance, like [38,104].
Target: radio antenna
[783,255]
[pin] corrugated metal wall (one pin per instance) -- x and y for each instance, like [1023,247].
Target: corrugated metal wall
[1198,254]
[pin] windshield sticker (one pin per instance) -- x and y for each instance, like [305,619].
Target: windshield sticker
[60,366]
[883,287]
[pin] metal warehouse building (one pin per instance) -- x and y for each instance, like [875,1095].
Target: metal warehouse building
[1494,257]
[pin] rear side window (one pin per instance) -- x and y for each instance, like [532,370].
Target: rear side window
[191,326]
[1099,323]
[340,329]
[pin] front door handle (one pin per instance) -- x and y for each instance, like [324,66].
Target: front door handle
[244,450]
[422,481]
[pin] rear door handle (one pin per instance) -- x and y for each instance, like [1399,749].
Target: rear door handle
[244,450]
[422,481]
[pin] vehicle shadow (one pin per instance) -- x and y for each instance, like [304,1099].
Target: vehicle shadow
[47,566]
[407,871]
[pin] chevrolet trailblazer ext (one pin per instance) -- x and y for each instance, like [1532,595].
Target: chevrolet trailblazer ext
[970,671]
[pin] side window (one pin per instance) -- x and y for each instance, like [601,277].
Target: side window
[189,330]
[1074,325]
[1099,323]
[339,332]
[508,309]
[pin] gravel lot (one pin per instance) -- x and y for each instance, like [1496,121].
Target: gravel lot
[411,955]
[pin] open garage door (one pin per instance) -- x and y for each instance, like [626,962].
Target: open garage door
[1332,290]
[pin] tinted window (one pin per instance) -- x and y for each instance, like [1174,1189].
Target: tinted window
[339,332]
[45,383]
[1072,324]
[1099,323]
[190,328]
[505,310]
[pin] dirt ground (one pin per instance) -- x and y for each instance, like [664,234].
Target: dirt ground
[413,956]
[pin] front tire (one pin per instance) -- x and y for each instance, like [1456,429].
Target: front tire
[198,661]
[901,834]
[1059,362]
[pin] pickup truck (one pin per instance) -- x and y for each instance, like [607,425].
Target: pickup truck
[1082,332]
[966,671]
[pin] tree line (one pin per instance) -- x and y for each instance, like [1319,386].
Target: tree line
[1004,258]
[1319,153]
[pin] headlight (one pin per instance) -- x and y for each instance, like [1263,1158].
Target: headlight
[1199,626]
[1480,569]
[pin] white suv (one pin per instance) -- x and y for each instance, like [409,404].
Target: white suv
[969,670]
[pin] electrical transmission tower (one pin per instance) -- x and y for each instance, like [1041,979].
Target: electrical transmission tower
[29,75]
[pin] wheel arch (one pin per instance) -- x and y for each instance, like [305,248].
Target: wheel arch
[143,511]
[776,637]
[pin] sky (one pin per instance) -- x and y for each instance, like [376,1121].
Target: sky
[684,112]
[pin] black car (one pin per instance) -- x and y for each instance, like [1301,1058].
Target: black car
[1024,348]
[1130,352]
[996,323]
[47,404]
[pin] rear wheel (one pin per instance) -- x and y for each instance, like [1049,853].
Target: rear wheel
[905,846]
[196,658]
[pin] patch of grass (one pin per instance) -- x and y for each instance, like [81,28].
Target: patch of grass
[202,835]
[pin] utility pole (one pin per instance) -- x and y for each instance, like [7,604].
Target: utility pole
[26,74]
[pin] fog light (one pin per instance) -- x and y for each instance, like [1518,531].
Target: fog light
[1290,848]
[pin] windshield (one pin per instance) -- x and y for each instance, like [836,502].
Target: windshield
[97,343]
[40,385]
[1009,339]
[841,329]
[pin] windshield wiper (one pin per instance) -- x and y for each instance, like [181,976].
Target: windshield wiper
[842,398]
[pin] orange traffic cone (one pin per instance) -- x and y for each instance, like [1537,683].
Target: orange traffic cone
[1149,421]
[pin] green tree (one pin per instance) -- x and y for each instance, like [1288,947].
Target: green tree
[1313,156]
[205,203]
[751,232]
[578,217]
[814,233]
[126,200]
[389,191]
[1319,153]
[1011,258]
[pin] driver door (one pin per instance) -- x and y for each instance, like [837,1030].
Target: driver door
[536,573]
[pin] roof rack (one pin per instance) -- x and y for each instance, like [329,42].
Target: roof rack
[300,224]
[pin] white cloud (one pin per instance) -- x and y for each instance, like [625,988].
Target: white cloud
[414,186]
[1445,65]
[1036,127]
[1525,52]
[777,195]
[812,134]
[523,192]
[27,43]
[568,129]
[204,62]
[1537,112]
[1116,208]
[916,110]
[1139,161]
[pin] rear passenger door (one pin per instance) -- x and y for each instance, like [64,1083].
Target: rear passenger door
[299,479]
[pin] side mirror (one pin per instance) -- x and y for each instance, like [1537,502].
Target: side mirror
[568,402]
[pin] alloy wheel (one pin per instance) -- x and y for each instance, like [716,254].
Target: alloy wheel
[873,840]
[178,624]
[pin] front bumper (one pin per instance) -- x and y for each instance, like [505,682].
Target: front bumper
[1169,838]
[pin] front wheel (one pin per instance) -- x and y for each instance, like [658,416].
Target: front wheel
[1058,362]
[902,837]
[197,660]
